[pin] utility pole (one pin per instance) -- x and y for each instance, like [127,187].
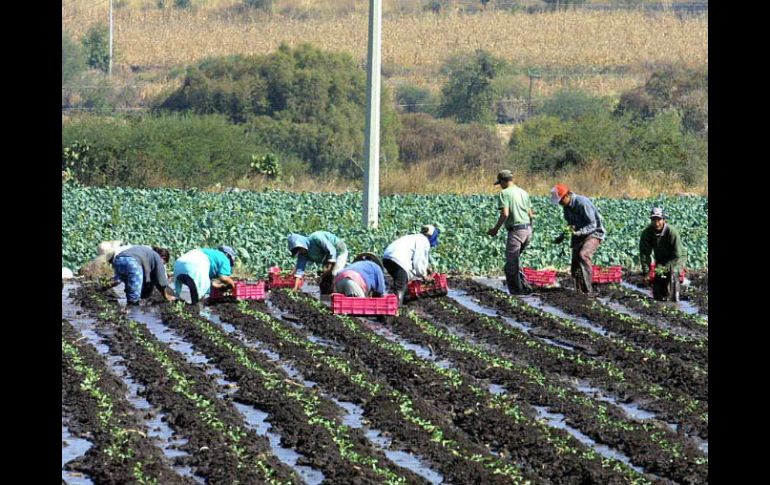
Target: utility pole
[372,141]
[109,69]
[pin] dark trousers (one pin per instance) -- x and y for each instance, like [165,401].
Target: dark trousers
[515,244]
[400,278]
[582,267]
[187,281]
[666,287]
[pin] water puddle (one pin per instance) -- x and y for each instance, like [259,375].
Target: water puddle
[354,418]
[631,409]
[157,429]
[556,420]
[539,304]
[468,302]
[253,417]
[421,352]
[73,448]
[353,414]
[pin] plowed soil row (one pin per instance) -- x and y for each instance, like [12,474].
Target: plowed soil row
[463,392]
[220,445]
[647,306]
[652,446]
[515,344]
[687,349]
[121,451]
[669,378]
[267,387]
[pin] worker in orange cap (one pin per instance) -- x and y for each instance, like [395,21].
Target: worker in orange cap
[585,224]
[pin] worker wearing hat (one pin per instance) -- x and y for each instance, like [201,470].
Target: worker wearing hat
[320,247]
[408,258]
[364,277]
[662,239]
[516,213]
[585,225]
[197,268]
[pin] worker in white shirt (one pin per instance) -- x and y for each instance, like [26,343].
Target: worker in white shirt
[408,258]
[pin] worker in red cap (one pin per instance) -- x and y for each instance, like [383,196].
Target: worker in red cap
[585,224]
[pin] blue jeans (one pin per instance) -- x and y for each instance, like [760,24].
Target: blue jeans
[129,271]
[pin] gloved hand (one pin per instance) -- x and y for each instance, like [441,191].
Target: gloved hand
[559,238]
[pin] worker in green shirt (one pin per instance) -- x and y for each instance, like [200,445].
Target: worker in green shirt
[662,239]
[516,213]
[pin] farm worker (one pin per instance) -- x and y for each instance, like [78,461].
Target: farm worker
[516,213]
[141,268]
[362,278]
[662,239]
[320,247]
[585,224]
[195,269]
[408,258]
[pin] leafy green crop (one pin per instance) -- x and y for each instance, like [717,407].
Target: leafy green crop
[258,222]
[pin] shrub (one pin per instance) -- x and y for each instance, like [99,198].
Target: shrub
[447,144]
[468,95]
[183,151]
[96,44]
[571,104]
[299,101]
[72,59]
[415,99]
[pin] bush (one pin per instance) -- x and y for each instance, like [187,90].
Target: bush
[299,101]
[183,151]
[72,59]
[468,95]
[447,144]
[266,5]
[415,99]
[572,104]
[96,44]
[682,89]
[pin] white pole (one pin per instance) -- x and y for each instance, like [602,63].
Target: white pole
[109,69]
[372,141]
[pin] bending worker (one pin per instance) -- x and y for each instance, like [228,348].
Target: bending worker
[141,268]
[362,278]
[408,258]
[662,239]
[320,247]
[197,268]
[585,224]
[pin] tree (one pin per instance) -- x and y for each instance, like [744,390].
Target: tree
[97,47]
[72,59]
[468,95]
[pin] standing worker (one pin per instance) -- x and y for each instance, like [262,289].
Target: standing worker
[662,239]
[320,247]
[516,213]
[362,278]
[408,257]
[197,268]
[585,224]
[141,268]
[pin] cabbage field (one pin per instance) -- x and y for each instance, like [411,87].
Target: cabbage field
[257,223]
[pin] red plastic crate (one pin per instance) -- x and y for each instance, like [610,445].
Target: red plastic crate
[350,305]
[435,287]
[543,277]
[610,274]
[277,280]
[241,291]
[652,274]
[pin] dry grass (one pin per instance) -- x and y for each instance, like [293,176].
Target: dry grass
[594,180]
[575,38]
